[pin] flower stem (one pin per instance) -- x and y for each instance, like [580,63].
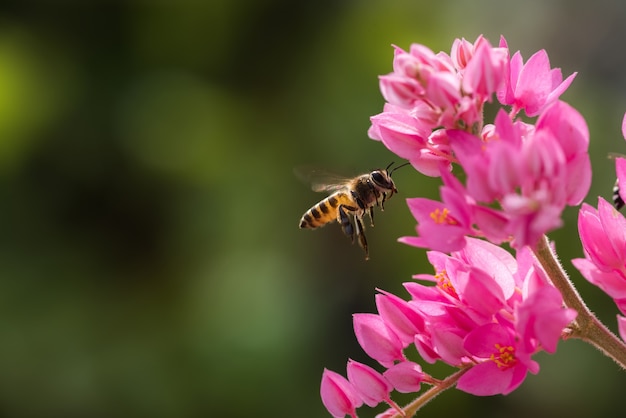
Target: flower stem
[587,326]
[412,408]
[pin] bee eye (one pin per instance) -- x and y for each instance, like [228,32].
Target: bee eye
[378,178]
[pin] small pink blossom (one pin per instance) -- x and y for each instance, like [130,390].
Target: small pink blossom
[406,376]
[498,371]
[541,317]
[532,86]
[485,71]
[532,173]
[429,93]
[461,52]
[377,339]
[404,133]
[603,236]
[442,225]
[566,126]
[338,395]
[402,318]
[437,227]
[371,386]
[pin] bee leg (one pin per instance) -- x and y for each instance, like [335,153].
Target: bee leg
[382,202]
[371,215]
[358,200]
[344,221]
[360,233]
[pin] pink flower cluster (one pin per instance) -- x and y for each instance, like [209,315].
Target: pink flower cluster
[519,176]
[483,309]
[603,236]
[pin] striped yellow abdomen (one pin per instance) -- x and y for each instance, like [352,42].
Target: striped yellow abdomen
[325,211]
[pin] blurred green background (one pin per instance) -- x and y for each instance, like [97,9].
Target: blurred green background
[151,263]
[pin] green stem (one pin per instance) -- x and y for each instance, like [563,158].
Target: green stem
[587,326]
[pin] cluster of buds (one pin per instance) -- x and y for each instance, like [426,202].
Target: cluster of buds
[520,176]
[484,311]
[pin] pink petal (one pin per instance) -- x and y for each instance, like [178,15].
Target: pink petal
[405,376]
[399,133]
[494,259]
[376,339]
[371,386]
[338,395]
[399,316]
[559,87]
[612,282]
[480,292]
[485,379]
[614,226]
[482,341]
[534,83]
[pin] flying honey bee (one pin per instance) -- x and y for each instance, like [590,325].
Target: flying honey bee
[618,202]
[354,197]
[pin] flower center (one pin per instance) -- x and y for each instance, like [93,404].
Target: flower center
[441,217]
[443,283]
[505,357]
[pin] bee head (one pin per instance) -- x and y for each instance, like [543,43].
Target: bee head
[382,178]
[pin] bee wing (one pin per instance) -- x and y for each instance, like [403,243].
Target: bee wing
[321,180]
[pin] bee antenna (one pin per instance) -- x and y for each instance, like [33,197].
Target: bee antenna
[400,166]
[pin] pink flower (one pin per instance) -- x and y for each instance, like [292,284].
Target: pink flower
[503,350]
[412,70]
[603,236]
[566,126]
[338,395]
[541,317]
[532,86]
[404,133]
[402,318]
[482,310]
[485,70]
[461,52]
[484,285]
[498,371]
[406,376]
[532,173]
[377,339]
[437,226]
[442,225]
[371,386]
[428,93]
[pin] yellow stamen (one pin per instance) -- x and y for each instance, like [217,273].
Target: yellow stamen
[442,217]
[506,357]
[443,282]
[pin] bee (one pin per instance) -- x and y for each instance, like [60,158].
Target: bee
[355,197]
[618,202]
